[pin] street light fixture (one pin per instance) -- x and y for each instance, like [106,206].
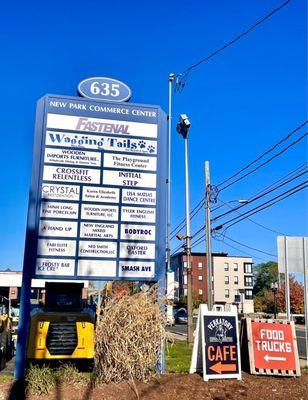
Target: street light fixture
[183,125]
[180,236]
[182,128]
[241,201]
[274,288]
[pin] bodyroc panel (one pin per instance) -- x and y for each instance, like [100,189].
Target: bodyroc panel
[62,338]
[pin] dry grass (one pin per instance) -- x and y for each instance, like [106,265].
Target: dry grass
[128,338]
[42,380]
[69,374]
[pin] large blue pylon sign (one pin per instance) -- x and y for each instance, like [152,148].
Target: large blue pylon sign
[97,202]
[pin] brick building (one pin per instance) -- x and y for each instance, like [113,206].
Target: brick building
[232,278]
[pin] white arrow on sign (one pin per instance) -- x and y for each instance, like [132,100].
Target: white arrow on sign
[268,358]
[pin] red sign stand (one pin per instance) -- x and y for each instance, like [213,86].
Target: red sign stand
[272,347]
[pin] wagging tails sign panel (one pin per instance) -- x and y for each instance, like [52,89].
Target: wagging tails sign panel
[97,204]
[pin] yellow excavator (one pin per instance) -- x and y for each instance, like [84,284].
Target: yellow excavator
[63,328]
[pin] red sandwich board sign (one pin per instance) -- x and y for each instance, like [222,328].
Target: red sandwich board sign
[272,347]
[216,350]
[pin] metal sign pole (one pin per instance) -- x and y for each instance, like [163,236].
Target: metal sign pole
[208,236]
[305,270]
[171,78]
[23,326]
[30,249]
[286,280]
[169,274]
[99,301]
[161,288]
[190,328]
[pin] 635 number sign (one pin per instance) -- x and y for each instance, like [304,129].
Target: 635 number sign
[102,88]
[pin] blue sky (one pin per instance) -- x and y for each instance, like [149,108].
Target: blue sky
[239,103]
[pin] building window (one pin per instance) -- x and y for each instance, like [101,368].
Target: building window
[200,264]
[200,291]
[200,278]
[185,292]
[248,268]
[248,294]
[235,266]
[226,280]
[236,292]
[226,266]
[235,280]
[185,279]
[248,281]
[185,265]
[227,293]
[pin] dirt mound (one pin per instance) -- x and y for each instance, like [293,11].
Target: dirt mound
[184,387]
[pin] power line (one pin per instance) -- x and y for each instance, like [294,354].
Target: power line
[198,241]
[260,207]
[300,168]
[249,247]
[193,212]
[175,251]
[264,154]
[249,255]
[241,251]
[289,174]
[201,202]
[193,244]
[257,223]
[267,204]
[233,240]
[256,197]
[265,162]
[182,78]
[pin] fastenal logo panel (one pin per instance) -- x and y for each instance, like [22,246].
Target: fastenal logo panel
[98,202]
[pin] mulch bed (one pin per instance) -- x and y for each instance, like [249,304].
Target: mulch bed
[178,387]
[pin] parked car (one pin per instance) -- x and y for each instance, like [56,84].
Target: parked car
[181,316]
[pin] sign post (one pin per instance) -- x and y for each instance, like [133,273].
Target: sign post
[293,258]
[97,196]
[218,345]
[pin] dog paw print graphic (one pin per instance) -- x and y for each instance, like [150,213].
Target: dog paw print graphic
[151,149]
[142,144]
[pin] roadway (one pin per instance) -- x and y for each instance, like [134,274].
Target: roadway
[181,331]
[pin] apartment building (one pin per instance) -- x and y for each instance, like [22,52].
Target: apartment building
[233,282]
[199,278]
[232,278]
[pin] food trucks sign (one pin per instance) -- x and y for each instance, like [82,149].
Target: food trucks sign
[97,196]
